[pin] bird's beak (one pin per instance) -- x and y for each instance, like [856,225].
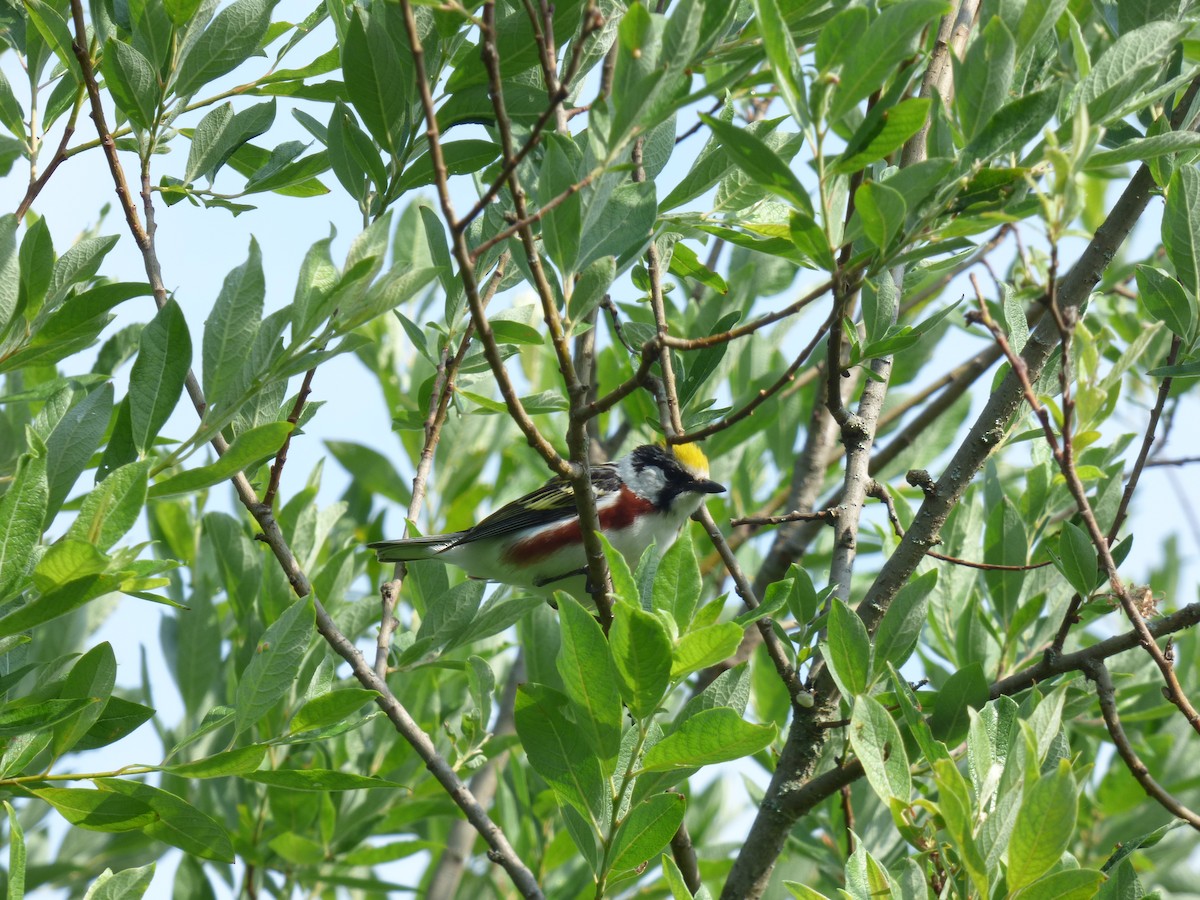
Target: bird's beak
[704,486]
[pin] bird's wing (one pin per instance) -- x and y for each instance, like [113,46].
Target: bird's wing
[552,502]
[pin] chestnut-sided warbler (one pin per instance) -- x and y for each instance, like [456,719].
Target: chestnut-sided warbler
[536,542]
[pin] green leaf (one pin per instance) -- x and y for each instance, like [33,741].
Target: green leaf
[785,61]
[803,891]
[968,687]
[181,11]
[1125,68]
[1005,544]
[983,81]
[10,270]
[705,647]
[380,79]
[98,810]
[562,226]
[229,40]
[677,581]
[54,31]
[880,303]
[954,804]
[882,210]
[461,158]
[1142,149]
[646,830]
[881,133]
[22,511]
[247,448]
[327,709]
[1014,125]
[509,331]
[318,780]
[900,628]
[119,718]
[156,380]
[1044,826]
[112,507]
[128,884]
[220,133]
[1068,884]
[131,80]
[1181,226]
[176,822]
[710,736]
[590,677]
[16,855]
[65,561]
[560,751]
[70,446]
[685,264]
[238,761]
[762,164]
[1077,558]
[57,602]
[621,227]
[1168,302]
[877,742]
[276,660]
[641,649]
[875,54]
[847,650]
[91,678]
[624,585]
[232,325]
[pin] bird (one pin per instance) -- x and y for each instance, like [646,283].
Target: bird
[535,542]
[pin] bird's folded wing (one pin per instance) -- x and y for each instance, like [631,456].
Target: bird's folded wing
[552,502]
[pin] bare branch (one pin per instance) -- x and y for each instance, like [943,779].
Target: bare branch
[788,376]
[825,516]
[880,492]
[281,456]
[699,343]
[1106,694]
[60,156]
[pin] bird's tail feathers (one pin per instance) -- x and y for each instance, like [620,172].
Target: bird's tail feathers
[410,549]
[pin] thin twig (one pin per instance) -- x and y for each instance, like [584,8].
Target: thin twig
[788,376]
[711,340]
[1106,694]
[281,456]
[1131,482]
[60,156]
[1071,616]
[525,221]
[1177,461]
[684,854]
[880,492]
[590,24]
[825,516]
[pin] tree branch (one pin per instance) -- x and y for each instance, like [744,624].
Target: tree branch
[579,471]
[1106,694]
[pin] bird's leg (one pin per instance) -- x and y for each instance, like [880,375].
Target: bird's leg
[542,582]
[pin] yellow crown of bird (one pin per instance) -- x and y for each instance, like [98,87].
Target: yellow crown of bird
[691,458]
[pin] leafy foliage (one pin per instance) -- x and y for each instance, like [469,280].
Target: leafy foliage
[656,176]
